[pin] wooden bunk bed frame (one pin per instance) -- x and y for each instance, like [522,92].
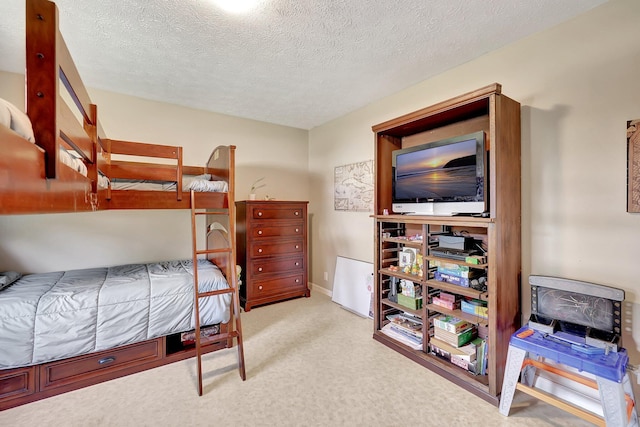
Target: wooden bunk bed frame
[32,177]
[33,180]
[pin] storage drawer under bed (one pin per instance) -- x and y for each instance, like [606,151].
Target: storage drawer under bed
[15,383]
[67,371]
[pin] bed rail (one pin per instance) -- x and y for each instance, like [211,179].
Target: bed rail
[143,170]
[221,166]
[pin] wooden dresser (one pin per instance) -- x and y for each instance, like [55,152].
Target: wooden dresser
[271,247]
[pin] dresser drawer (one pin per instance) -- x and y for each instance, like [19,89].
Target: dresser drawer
[278,285]
[265,230]
[266,249]
[66,371]
[281,211]
[269,266]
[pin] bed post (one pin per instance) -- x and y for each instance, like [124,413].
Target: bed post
[42,78]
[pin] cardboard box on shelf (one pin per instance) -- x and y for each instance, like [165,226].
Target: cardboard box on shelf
[412,303]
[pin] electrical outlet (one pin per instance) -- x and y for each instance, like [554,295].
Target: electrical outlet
[326,276]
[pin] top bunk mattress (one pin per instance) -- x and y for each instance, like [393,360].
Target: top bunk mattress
[199,183]
[52,316]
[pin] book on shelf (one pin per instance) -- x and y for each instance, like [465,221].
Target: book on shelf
[481,354]
[467,351]
[461,271]
[449,305]
[388,331]
[410,335]
[463,361]
[405,326]
[451,323]
[475,307]
[452,278]
[456,339]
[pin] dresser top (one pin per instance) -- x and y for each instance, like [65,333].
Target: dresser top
[275,202]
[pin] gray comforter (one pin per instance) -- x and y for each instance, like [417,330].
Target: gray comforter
[51,316]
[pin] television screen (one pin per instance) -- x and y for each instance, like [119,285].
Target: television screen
[450,170]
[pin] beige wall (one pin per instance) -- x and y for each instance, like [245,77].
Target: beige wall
[578,84]
[36,243]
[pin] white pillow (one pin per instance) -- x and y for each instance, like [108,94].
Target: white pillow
[7,278]
[12,117]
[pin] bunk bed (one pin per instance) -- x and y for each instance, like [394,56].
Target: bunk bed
[61,331]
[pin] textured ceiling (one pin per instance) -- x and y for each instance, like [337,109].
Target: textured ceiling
[296,63]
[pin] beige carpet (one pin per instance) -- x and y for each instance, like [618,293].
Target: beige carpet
[309,363]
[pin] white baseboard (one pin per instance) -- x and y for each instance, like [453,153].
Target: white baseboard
[318,288]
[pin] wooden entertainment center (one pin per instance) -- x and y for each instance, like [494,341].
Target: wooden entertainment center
[498,232]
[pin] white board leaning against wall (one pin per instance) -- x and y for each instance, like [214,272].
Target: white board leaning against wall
[353,286]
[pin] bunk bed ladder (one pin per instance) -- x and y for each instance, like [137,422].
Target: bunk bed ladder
[235,327]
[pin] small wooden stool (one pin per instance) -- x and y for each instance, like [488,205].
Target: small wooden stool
[610,371]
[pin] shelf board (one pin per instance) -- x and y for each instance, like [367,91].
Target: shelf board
[459,290]
[436,220]
[386,250]
[406,242]
[400,275]
[387,301]
[459,314]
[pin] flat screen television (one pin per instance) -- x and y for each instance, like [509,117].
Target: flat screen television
[445,177]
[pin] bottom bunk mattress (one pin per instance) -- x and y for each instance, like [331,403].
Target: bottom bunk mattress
[52,316]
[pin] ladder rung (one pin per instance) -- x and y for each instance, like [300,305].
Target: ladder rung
[216,292]
[213,251]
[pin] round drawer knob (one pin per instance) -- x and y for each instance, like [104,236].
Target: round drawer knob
[297,263]
[297,247]
[260,269]
[297,230]
[259,213]
[297,280]
[259,231]
[297,213]
[259,251]
[260,287]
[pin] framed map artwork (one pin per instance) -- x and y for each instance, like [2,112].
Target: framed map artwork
[353,187]
[633,165]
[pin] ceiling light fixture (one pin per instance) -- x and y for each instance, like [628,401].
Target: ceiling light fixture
[237,6]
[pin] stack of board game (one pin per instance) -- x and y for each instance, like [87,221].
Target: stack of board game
[453,330]
[451,341]
[456,274]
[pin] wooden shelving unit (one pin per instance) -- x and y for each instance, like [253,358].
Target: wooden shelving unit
[487,110]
